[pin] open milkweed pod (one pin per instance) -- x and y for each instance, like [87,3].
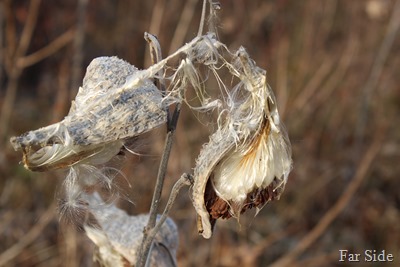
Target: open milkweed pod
[104,114]
[118,236]
[247,160]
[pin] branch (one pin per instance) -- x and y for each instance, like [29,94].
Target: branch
[14,71]
[203,18]
[183,25]
[149,234]
[144,251]
[319,229]
[29,237]
[150,230]
[77,57]
[27,32]
[155,23]
[376,71]
[46,51]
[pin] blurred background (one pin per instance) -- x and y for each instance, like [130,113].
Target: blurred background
[333,65]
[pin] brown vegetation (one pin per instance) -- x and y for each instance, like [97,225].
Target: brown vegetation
[332,65]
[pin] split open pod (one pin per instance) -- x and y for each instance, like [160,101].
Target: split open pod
[247,160]
[103,116]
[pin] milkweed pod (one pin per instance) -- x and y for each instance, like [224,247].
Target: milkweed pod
[104,113]
[118,236]
[247,160]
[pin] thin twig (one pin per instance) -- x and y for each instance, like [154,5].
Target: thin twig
[77,59]
[155,24]
[48,50]
[62,92]
[156,56]
[320,96]
[349,54]
[71,248]
[185,179]
[363,168]
[250,259]
[183,25]
[27,32]
[322,259]
[29,237]
[203,18]
[314,83]
[156,67]
[155,48]
[282,75]
[144,251]
[376,71]
[10,33]
[1,41]
[160,180]
[14,71]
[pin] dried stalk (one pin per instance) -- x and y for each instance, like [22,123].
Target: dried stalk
[1,42]
[183,25]
[144,250]
[151,229]
[363,168]
[203,17]
[149,234]
[78,45]
[13,70]
[48,50]
[156,56]
[376,71]
[155,25]
[117,102]
[29,237]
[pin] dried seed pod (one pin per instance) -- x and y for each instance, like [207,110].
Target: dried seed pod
[248,159]
[104,114]
[118,236]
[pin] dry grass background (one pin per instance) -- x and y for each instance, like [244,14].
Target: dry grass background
[333,65]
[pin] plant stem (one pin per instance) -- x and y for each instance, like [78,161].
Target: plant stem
[202,20]
[13,70]
[185,179]
[151,228]
[144,249]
